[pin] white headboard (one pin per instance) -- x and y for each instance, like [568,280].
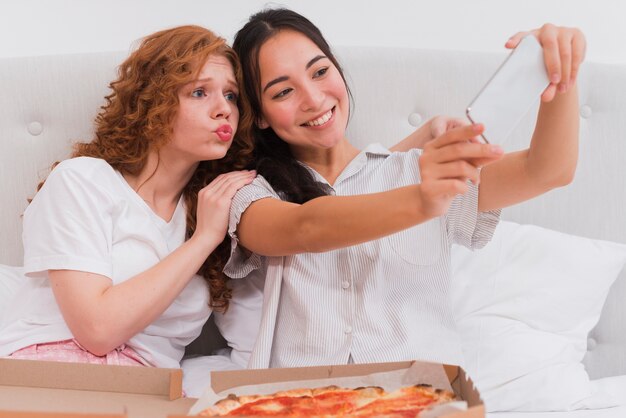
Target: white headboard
[48,102]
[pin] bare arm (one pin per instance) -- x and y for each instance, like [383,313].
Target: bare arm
[551,159]
[102,316]
[272,227]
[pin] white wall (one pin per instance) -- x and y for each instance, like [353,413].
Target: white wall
[41,27]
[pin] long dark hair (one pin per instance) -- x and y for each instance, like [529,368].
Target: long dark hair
[272,156]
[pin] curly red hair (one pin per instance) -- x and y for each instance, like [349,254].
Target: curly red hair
[138,116]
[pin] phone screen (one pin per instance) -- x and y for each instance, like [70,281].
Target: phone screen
[511,91]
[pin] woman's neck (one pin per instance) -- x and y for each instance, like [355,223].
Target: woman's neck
[160,183]
[328,162]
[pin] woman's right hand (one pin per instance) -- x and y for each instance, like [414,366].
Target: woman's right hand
[448,162]
[214,204]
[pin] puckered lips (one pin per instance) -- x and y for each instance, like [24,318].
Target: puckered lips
[321,120]
[224,132]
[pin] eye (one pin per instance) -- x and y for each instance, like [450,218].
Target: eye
[198,93]
[282,93]
[231,96]
[320,72]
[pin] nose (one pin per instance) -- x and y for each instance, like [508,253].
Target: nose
[221,108]
[312,97]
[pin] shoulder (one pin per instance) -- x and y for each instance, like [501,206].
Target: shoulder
[84,166]
[81,170]
[259,187]
[80,178]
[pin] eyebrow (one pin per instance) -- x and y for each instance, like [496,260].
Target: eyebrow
[285,78]
[209,79]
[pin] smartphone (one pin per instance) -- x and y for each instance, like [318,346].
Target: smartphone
[511,91]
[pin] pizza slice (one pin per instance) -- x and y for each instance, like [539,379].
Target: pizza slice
[407,401]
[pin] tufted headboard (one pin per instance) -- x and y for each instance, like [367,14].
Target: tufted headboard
[49,102]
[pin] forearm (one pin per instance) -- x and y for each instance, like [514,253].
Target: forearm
[329,222]
[553,153]
[416,139]
[116,313]
[550,161]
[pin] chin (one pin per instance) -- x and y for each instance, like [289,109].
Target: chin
[217,152]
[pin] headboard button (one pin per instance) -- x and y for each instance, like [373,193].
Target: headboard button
[415,119]
[35,128]
[585,111]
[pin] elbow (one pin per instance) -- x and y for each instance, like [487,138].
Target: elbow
[95,339]
[564,178]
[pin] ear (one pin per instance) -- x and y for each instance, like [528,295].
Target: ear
[262,124]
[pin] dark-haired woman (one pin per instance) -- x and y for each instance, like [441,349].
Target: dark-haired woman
[354,246]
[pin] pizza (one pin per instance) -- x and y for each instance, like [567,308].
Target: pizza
[334,401]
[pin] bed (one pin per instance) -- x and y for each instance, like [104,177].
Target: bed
[50,101]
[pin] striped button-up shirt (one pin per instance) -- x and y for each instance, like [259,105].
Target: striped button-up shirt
[383,300]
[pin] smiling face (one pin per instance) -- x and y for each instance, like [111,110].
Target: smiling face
[207,115]
[303,96]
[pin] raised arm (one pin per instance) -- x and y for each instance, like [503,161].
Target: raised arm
[551,159]
[272,227]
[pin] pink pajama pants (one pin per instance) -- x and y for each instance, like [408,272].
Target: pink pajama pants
[72,352]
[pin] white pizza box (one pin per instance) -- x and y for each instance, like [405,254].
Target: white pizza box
[270,380]
[47,389]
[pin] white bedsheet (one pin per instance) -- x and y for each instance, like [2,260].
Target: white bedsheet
[614,386]
[617,412]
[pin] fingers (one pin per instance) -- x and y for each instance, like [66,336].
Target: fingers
[468,151]
[225,186]
[226,177]
[564,51]
[515,40]
[548,38]
[442,124]
[461,143]
[549,93]
[459,134]
[565,55]
[460,160]
[458,170]
[229,187]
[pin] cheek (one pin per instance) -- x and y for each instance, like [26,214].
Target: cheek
[280,117]
[339,89]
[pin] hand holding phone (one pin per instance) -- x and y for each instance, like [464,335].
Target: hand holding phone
[511,91]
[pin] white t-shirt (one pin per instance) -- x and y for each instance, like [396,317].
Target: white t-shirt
[87,218]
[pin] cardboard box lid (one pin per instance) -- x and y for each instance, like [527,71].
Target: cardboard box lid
[53,389]
[92,377]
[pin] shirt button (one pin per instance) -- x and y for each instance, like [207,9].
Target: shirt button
[345,284]
[348,330]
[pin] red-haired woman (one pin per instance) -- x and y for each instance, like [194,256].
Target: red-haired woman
[122,238]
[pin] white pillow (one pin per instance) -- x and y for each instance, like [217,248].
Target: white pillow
[11,278]
[524,306]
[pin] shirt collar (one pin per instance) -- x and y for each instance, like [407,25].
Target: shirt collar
[356,165]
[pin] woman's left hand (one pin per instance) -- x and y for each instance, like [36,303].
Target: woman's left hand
[563,51]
